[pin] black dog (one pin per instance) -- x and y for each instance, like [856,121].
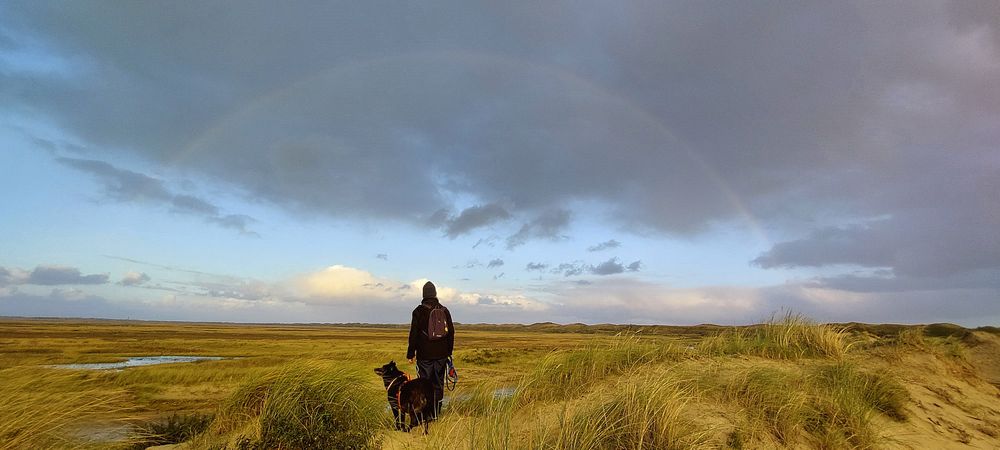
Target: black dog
[407,396]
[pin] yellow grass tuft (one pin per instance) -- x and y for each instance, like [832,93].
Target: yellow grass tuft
[563,374]
[792,336]
[304,405]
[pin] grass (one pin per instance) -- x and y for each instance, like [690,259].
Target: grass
[829,405]
[789,382]
[562,374]
[174,429]
[644,413]
[42,408]
[792,336]
[306,405]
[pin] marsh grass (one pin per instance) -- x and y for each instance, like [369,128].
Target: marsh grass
[41,408]
[791,336]
[304,405]
[790,382]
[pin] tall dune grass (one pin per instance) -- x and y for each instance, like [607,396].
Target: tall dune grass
[634,412]
[790,337]
[305,405]
[564,374]
[828,406]
[639,414]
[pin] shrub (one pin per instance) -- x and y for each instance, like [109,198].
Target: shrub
[174,429]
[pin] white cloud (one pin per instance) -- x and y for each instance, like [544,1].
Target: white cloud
[134,279]
[343,285]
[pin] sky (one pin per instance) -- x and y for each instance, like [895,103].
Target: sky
[659,162]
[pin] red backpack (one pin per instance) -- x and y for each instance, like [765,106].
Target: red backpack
[437,323]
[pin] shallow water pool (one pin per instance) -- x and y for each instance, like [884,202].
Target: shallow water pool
[137,361]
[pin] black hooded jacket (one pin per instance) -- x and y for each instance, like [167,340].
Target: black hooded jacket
[422,347]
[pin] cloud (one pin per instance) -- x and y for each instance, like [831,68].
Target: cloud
[475,217]
[344,294]
[599,111]
[628,300]
[343,286]
[494,263]
[604,246]
[570,269]
[612,266]
[548,225]
[49,275]
[489,241]
[930,250]
[127,186]
[134,279]
[343,283]
[609,267]
[887,281]
[535,266]
[470,264]
[7,277]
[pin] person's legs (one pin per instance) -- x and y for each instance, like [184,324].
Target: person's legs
[435,370]
[425,368]
[440,370]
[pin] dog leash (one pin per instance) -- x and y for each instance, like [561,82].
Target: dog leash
[451,378]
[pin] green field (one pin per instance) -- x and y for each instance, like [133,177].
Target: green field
[790,383]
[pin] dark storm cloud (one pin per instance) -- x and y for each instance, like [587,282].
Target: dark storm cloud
[127,186]
[886,281]
[674,116]
[62,275]
[549,225]
[474,217]
[604,246]
[494,263]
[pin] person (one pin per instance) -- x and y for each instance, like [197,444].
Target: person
[432,340]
